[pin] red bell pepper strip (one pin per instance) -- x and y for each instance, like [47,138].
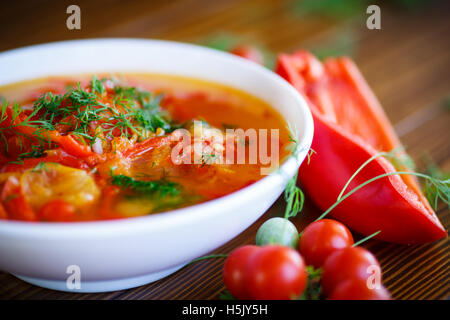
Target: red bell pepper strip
[14,202]
[72,146]
[350,126]
[67,142]
[55,156]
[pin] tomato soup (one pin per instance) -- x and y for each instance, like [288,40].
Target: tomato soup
[87,147]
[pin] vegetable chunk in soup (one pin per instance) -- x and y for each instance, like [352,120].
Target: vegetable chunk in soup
[107,147]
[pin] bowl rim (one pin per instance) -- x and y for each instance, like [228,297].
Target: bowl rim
[100,228]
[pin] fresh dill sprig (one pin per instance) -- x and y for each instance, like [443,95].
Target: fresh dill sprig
[131,93]
[397,157]
[49,104]
[160,187]
[81,98]
[150,116]
[366,239]
[310,153]
[430,190]
[42,166]
[208,159]
[36,152]
[293,195]
[29,121]
[97,85]
[380,154]
[211,256]
[294,198]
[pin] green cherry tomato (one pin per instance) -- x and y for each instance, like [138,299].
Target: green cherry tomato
[277,231]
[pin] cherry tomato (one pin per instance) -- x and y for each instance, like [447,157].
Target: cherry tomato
[248,52]
[235,268]
[277,231]
[348,263]
[358,290]
[57,211]
[321,238]
[275,273]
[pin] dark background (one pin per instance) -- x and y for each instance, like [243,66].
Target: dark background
[406,63]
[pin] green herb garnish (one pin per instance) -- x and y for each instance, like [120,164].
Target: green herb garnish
[82,113]
[293,195]
[150,116]
[313,288]
[208,159]
[154,187]
[432,192]
[97,85]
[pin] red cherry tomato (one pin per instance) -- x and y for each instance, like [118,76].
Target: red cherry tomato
[248,52]
[348,263]
[358,290]
[57,211]
[275,273]
[235,268]
[321,238]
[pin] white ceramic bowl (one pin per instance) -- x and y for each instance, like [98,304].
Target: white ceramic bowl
[120,254]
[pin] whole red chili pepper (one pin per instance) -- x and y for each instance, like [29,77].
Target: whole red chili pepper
[350,127]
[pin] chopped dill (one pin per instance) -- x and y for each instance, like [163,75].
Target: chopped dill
[432,191]
[82,113]
[208,159]
[97,85]
[160,187]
